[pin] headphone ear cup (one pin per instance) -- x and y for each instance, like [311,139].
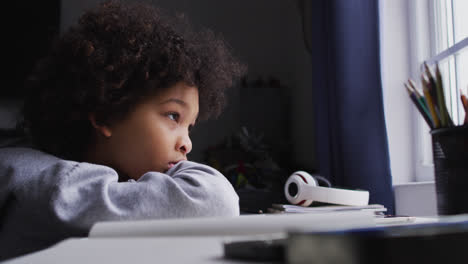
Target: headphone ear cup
[306,177]
[292,188]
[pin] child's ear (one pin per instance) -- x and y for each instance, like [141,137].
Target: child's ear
[103,129]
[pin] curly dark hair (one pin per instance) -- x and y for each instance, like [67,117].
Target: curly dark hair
[116,56]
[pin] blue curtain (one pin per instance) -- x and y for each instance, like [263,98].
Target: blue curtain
[351,138]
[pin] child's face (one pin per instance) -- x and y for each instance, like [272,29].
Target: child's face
[155,135]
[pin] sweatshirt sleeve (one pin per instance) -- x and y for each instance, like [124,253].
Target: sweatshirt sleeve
[89,193]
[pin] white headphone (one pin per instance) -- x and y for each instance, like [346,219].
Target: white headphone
[302,189]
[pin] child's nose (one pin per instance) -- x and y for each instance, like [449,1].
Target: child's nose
[184,145]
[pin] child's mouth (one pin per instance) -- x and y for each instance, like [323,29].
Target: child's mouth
[171,164]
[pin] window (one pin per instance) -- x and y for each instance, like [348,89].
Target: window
[448,47]
[450,39]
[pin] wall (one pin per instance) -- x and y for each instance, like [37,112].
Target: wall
[416,199]
[266,35]
[395,71]
[404,45]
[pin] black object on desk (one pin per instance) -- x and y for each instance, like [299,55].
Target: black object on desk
[442,242]
[256,250]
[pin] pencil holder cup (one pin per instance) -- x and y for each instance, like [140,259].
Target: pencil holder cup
[450,152]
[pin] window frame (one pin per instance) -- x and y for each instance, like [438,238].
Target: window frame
[423,12]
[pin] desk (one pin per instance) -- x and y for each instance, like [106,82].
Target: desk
[132,250]
[193,249]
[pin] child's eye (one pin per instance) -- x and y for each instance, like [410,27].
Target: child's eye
[173,116]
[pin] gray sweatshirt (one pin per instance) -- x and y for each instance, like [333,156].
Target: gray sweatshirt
[44,199]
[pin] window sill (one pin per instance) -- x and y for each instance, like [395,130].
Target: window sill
[415,199]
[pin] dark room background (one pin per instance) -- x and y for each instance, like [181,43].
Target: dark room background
[272,100]
[269,110]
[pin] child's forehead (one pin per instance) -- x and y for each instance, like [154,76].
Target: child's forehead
[179,90]
[179,94]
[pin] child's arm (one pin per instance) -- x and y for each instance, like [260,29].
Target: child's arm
[81,194]
[91,193]
[44,199]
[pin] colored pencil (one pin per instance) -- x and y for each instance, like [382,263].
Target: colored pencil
[430,103]
[420,106]
[465,106]
[431,86]
[419,96]
[444,115]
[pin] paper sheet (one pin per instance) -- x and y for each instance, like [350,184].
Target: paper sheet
[234,226]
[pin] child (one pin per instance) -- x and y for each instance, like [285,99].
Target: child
[109,114]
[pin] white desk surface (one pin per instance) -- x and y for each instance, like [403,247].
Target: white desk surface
[132,250]
[192,249]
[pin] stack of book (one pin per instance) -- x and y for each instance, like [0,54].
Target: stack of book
[378,209]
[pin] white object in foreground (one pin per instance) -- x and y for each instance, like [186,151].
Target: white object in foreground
[234,226]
